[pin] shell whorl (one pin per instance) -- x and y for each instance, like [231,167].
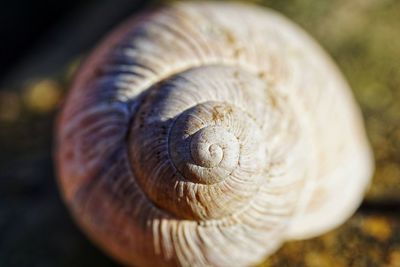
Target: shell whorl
[191,138]
[201,147]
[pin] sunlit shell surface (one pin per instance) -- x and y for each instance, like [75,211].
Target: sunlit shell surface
[206,134]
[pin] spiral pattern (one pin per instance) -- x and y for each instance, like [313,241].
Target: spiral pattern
[208,152]
[174,134]
[208,147]
[191,138]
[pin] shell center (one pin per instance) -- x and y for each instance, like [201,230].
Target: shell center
[208,146]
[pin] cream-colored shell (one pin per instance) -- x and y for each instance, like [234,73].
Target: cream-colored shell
[206,134]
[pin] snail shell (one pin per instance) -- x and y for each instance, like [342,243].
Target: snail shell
[206,134]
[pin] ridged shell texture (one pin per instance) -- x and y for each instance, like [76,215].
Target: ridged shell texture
[206,134]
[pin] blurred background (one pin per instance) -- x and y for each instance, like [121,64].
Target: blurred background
[42,44]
